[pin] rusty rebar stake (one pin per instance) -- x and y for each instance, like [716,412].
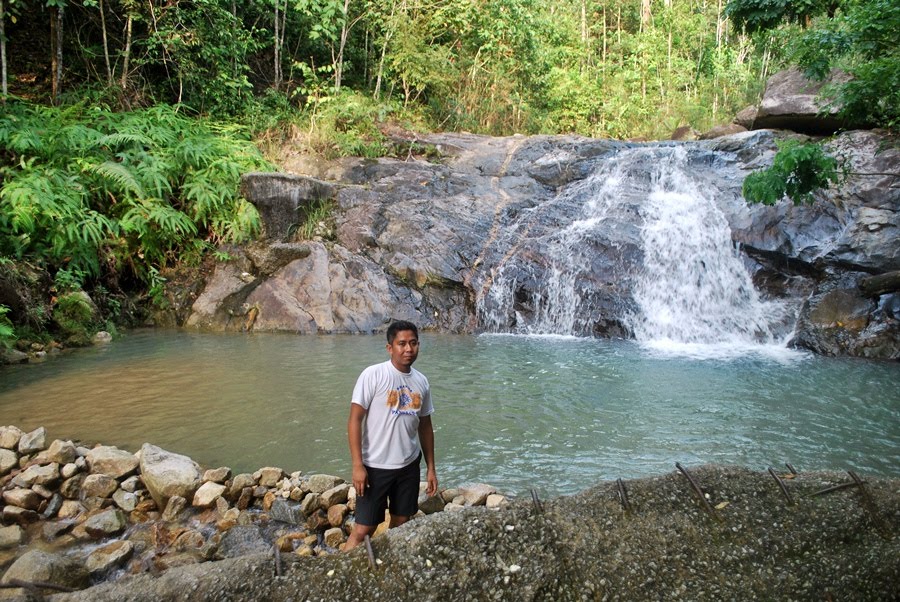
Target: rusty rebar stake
[277,560]
[791,468]
[536,501]
[370,552]
[623,495]
[836,488]
[787,494]
[706,505]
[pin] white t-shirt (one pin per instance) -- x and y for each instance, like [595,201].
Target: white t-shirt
[394,402]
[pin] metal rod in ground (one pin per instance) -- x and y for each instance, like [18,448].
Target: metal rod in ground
[623,495]
[536,501]
[706,505]
[836,488]
[869,504]
[370,552]
[791,468]
[787,494]
[277,560]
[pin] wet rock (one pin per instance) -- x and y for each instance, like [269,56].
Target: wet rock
[174,507]
[334,537]
[10,536]
[268,477]
[168,474]
[310,503]
[36,565]
[110,556]
[476,494]
[287,512]
[105,523]
[59,452]
[335,495]
[242,541]
[53,506]
[54,529]
[429,504]
[23,498]
[101,338]
[111,461]
[71,488]
[125,500]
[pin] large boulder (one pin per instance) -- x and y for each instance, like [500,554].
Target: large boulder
[792,101]
[167,474]
[39,566]
[112,461]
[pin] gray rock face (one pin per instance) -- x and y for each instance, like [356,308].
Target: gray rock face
[471,244]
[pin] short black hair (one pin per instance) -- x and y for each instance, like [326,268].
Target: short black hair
[399,326]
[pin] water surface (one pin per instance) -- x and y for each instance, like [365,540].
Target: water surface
[552,413]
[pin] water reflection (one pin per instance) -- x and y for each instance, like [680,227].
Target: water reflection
[553,413]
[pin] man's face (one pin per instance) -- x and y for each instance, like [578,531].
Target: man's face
[404,350]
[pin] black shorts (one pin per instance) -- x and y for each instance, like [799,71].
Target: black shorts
[399,485]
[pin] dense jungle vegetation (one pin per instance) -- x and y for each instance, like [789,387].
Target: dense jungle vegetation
[125,125]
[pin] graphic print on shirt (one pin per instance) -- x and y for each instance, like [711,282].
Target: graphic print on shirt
[404,401]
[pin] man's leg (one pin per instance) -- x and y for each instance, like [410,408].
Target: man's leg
[358,535]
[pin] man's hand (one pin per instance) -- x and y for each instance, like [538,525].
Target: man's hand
[360,480]
[432,480]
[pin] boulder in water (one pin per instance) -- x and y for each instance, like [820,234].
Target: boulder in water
[168,474]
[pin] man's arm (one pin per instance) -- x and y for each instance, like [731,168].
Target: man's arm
[354,434]
[426,439]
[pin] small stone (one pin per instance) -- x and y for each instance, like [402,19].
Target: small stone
[337,514]
[42,475]
[174,507]
[310,503]
[125,500]
[22,498]
[19,516]
[106,523]
[131,484]
[99,485]
[476,495]
[217,475]
[34,441]
[334,537]
[9,437]
[336,495]
[268,500]
[268,476]
[71,487]
[68,470]
[8,461]
[109,556]
[320,483]
[10,536]
[495,500]
[70,509]
[207,494]
[61,452]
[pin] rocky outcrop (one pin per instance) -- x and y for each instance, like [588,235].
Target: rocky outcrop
[472,242]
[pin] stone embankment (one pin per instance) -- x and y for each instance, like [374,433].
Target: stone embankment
[74,516]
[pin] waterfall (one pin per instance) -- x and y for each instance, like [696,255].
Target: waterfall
[690,288]
[693,288]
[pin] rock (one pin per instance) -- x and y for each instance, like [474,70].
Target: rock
[8,461]
[476,495]
[317,521]
[36,474]
[320,483]
[23,498]
[112,461]
[71,488]
[13,356]
[336,514]
[746,117]
[68,470]
[791,101]
[334,537]
[53,530]
[217,475]
[101,338]
[496,501]
[125,500]
[174,507]
[110,556]
[453,507]
[448,495]
[9,437]
[132,484]
[105,523]
[36,565]
[53,506]
[269,476]
[60,452]
[34,441]
[242,541]
[189,540]
[245,499]
[310,503]
[335,495]
[99,485]
[207,494]
[10,536]
[429,504]
[684,132]
[70,509]
[238,484]
[19,516]
[287,512]
[722,130]
[167,474]
[281,200]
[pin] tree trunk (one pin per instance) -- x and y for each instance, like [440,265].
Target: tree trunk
[277,75]
[339,60]
[3,49]
[127,53]
[56,33]
[874,286]
[645,15]
[109,73]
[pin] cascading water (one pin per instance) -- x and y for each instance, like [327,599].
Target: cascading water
[690,288]
[693,289]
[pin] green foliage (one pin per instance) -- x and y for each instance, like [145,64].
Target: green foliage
[797,171]
[761,15]
[317,220]
[7,332]
[75,317]
[95,192]
[346,125]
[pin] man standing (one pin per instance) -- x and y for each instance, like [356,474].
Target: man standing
[389,431]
